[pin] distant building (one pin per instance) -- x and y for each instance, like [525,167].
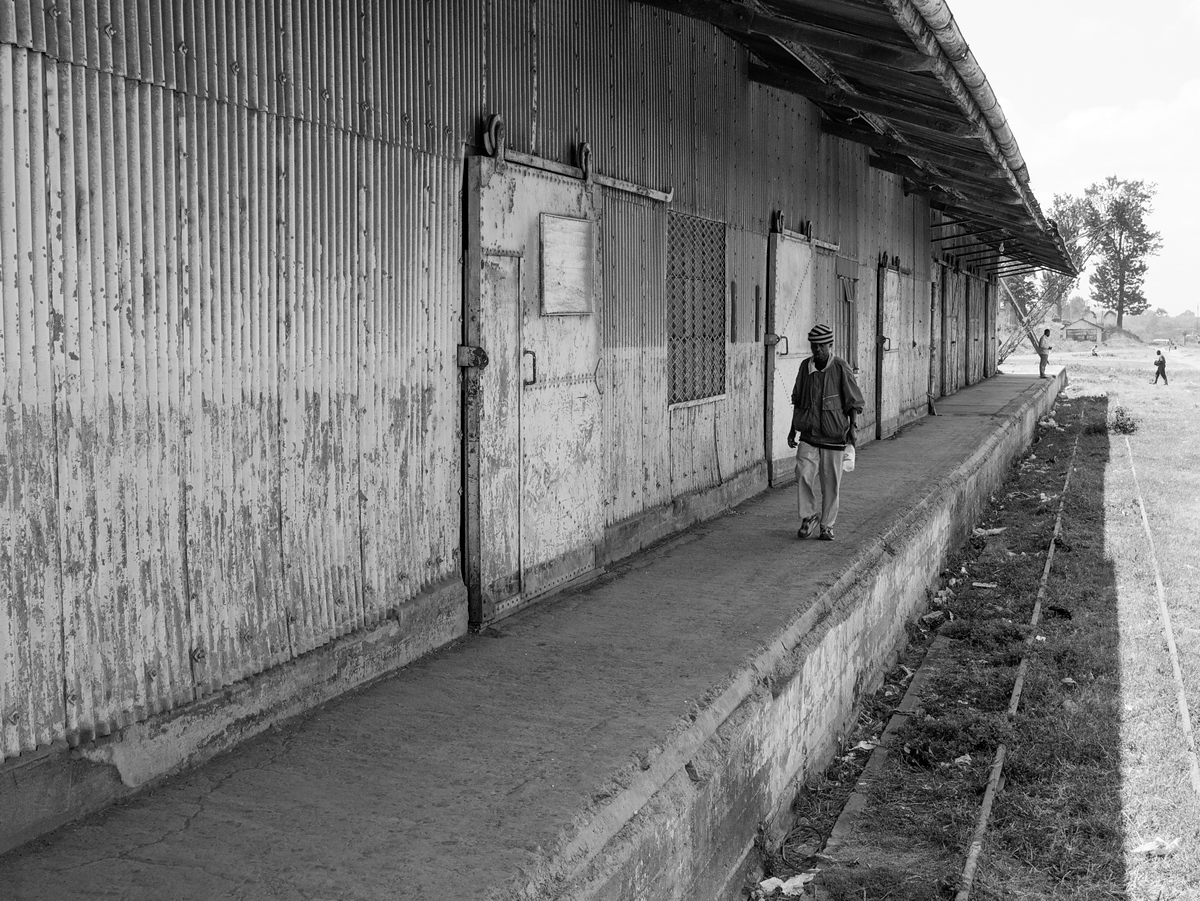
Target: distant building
[1083,330]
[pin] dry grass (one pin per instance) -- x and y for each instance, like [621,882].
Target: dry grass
[1156,798]
[1096,763]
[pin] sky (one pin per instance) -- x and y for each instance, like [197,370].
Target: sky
[1094,88]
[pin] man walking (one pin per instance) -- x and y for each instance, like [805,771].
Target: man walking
[1043,350]
[826,401]
[1160,367]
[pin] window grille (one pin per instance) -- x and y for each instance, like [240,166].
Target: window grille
[846,335]
[695,308]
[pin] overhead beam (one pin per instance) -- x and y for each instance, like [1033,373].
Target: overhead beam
[950,223]
[960,250]
[920,83]
[970,234]
[979,254]
[1015,246]
[885,144]
[1009,216]
[980,189]
[1001,272]
[824,93]
[747,21]
[1044,254]
[921,130]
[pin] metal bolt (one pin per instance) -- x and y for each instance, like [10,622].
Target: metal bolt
[235,67]
[14,717]
[109,29]
[198,654]
[182,47]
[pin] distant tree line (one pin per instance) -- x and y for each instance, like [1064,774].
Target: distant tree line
[1161,324]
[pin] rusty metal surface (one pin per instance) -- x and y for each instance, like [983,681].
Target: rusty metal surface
[889,392]
[791,314]
[633,253]
[541,450]
[232,239]
[230,423]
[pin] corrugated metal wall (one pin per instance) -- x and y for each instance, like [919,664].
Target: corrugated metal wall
[231,237]
[231,281]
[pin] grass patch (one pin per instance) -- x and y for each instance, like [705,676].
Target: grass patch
[1095,759]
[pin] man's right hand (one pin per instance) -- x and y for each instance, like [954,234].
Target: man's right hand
[791,437]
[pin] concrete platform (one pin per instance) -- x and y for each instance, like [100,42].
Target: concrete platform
[629,740]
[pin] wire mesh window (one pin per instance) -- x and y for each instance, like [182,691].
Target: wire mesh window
[695,307]
[846,333]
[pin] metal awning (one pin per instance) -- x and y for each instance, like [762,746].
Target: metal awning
[897,77]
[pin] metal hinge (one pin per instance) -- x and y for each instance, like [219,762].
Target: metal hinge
[472,357]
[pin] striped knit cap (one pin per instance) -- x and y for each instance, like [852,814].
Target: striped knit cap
[820,334]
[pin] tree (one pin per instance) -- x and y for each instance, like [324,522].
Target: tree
[1023,288]
[1077,308]
[1033,299]
[1069,215]
[1115,224]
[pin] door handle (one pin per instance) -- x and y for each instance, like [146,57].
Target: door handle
[775,341]
[884,342]
[532,381]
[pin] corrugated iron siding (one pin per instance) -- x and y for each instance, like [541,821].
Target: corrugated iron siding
[230,309]
[231,235]
[634,250]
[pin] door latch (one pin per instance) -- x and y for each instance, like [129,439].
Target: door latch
[472,357]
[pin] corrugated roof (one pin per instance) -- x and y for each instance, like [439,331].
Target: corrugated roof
[898,77]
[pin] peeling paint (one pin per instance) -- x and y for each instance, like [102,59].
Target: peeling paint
[232,293]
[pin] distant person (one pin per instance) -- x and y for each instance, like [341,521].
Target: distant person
[1160,367]
[826,401]
[1043,349]
[1170,344]
[1095,352]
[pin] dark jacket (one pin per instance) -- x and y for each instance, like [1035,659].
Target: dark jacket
[822,402]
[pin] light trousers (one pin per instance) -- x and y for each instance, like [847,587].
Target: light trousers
[818,465]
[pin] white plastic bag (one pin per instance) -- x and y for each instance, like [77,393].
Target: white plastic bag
[848,456]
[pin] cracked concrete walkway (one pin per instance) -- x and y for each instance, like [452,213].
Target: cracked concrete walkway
[462,771]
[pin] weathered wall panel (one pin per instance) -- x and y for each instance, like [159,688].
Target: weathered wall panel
[633,233]
[936,340]
[231,235]
[178,269]
[739,424]
[977,337]
[31,664]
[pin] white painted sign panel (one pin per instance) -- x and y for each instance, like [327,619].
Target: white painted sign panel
[568,265]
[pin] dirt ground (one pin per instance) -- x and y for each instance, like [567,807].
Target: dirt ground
[1096,799]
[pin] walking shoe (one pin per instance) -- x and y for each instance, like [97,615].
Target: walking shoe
[826,534]
[808,527]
